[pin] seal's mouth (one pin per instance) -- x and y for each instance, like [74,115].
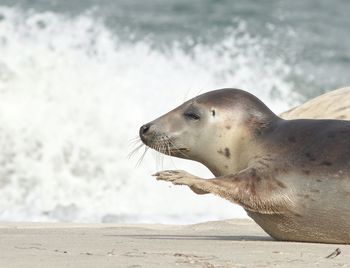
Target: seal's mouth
[179,150]
[166,146]
[161,142]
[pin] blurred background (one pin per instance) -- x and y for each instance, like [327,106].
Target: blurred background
[79,77]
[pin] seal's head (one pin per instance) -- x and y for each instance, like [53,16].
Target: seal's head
[210,125]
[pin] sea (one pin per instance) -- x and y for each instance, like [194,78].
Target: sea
[79,77]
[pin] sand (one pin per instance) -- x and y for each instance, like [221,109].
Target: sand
[232,243]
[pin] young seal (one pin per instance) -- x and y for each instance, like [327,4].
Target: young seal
[291,176]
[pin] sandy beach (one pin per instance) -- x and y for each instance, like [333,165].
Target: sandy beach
[231,243]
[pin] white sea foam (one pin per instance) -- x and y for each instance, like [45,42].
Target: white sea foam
[72,95]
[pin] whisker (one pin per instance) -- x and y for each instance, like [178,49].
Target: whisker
[134,151]
[168,148]
[157,155]
[162,146]
[161,154]
[172,161]
[137,138]
[135,142]
[142,156]
[164,153]
[177,148]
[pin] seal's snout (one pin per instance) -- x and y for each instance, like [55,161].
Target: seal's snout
[144,130]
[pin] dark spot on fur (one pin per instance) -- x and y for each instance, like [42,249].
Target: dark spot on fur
[252,173]
[280,184]
[310,157]
[226,166]
[326,163]
[228,127]
[227,152]
[292,139]
[341,117]
[213,112]
[319,180]
[307,196]
[314,190]
[307,172]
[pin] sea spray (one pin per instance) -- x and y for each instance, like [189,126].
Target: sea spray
[72,96]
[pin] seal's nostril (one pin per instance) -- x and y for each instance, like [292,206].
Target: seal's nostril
[144,129]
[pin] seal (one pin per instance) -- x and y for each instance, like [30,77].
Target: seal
[291,176]
[331,105]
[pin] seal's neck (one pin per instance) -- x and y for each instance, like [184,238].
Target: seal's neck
[240,147]
[231,155]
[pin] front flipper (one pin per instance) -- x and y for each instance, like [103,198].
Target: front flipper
[253,190]
[180,177]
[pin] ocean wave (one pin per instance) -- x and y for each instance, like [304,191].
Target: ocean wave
[73,93]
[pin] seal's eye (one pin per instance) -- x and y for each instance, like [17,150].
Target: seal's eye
[191,115]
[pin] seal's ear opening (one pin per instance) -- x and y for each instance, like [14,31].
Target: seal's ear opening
[213,113]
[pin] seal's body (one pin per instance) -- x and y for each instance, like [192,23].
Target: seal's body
[331,105]
[291,176]
[311,160]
